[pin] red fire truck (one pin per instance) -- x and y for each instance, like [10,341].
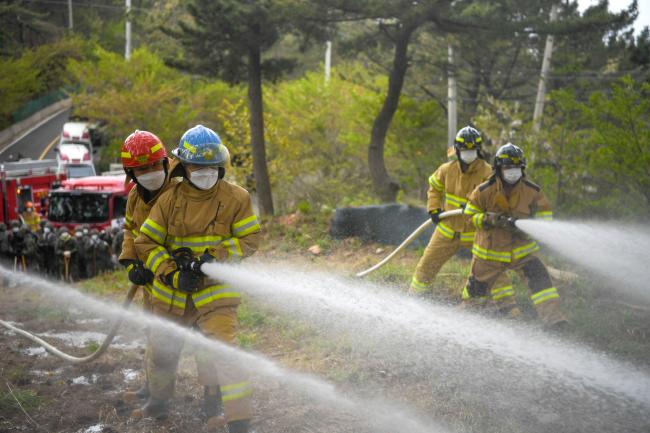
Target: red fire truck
[99,201]
[24,181]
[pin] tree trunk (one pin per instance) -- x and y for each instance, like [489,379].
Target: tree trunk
[385,187]
[256,124]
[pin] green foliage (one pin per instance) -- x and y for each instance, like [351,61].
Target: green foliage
[18,82]
[27,398]
[318,136]
[598,150]
[144,93]
[92,346]
[34,73]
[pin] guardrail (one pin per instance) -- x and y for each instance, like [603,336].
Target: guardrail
[9,134]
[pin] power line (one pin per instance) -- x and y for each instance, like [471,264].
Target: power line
[86,5]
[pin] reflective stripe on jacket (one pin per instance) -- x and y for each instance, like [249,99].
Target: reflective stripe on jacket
[220,220]
[449,188]
[526,200]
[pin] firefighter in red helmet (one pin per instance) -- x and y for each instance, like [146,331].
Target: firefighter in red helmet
[144,159]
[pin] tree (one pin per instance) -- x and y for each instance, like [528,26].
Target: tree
[475,21]
[228,38]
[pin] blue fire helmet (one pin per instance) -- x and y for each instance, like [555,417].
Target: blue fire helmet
[202,146]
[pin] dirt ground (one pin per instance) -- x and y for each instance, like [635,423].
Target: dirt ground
[40,393]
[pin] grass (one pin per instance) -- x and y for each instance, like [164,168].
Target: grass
[92,346]
[48,313]
[109,283]
[28,398]
[18,375]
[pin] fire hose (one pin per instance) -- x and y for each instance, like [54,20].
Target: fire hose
[506,221]
[409,239]
[75,359]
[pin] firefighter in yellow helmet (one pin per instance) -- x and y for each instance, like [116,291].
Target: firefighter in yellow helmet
[208,219]
[31,217]
[449,187]
[145,162]
[498,247]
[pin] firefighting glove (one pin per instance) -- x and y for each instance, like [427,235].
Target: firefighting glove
[490,220]
[435,216]
[138,274]
[184,280]
[206,257]
[506,222]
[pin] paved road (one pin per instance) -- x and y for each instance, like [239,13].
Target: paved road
[38,143]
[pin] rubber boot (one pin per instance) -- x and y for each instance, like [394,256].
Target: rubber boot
[153,408]
[213,408]
[140,394]
[240,426]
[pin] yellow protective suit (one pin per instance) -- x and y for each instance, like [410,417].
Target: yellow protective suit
[137,211]
[449,187]
[221,221]
[497,250]
[32,219]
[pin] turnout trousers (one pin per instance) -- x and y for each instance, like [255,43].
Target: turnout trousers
[223,373]
[488,279]
[439,250]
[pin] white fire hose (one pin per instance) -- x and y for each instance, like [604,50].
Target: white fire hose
[76,359]
[410,239]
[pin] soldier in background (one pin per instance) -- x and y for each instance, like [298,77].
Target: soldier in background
[82,253]
[30,249]
[98,255]
[5,249]
[45,244]
[116,247]
[16,246]
[66,254]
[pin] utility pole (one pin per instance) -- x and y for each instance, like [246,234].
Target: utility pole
[452,99]
[70,23]
[328,61]
[543,77]
[127,45]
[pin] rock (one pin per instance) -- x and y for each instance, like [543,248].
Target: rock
[379,251]
[315,250]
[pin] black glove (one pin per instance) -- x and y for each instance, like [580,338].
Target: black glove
[138,274]
[435,216]
[506,222]
[197,262]
[184,280]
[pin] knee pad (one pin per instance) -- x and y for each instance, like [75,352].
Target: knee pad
[537,275]
[476,288]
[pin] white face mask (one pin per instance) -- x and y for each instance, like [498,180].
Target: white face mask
[94,237]
[152,181]
[512,175]
[46,230]
[468,156]
[85,231]
[205,178]
[78,234]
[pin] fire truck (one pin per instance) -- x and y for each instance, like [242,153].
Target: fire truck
[99,201]
[27,181]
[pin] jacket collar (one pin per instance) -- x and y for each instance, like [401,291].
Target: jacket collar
[196,194]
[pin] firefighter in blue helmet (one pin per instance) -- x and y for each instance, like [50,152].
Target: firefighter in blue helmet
[202,219]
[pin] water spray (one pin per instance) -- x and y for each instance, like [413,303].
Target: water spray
[479,356]
[380,415]
[78,359]
[620,254]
